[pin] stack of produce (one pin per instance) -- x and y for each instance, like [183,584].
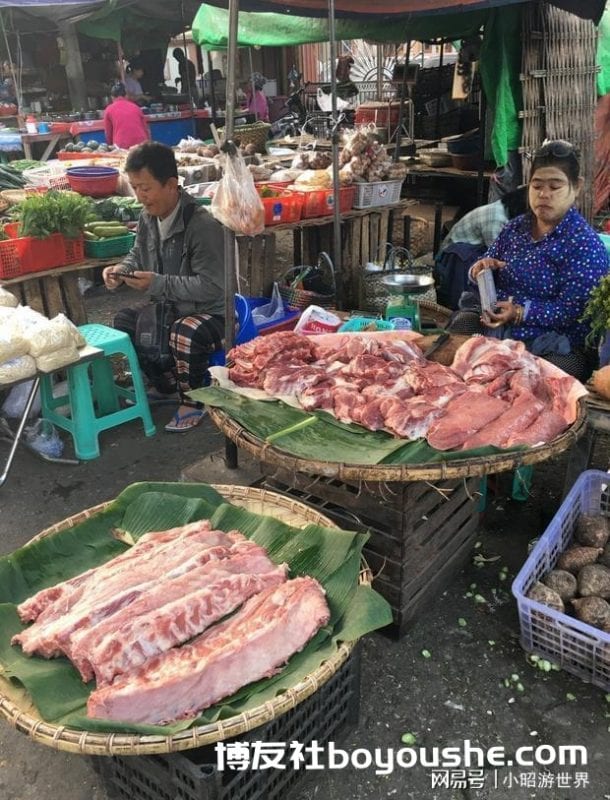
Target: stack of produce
[11,177]
[365,159]
[580,583]
[495,392]
[104,229]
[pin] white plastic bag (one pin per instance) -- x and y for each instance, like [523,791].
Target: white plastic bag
[271,311]
[17,368]
[56,334]
[236,203]
[16,399]
[42,436]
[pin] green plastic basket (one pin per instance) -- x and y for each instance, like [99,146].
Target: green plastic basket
[105,248]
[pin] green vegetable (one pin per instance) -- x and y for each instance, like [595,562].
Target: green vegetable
[597,311]
[90,236]
[110,233]
[22,164]
[54,212]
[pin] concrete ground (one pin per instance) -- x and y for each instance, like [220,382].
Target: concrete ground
[459,674]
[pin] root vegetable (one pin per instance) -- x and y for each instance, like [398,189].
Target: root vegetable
[562,582]
[605,556]
[592,530]
[576,557]
[601,381]
[594,579]
[593,611]
[548,597]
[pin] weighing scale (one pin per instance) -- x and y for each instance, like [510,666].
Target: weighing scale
[403,303]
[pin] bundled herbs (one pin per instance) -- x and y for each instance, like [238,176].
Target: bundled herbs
[597,311]
[54,212]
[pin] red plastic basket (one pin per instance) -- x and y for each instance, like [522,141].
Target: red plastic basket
[93,181]
[285,207]
[319,202]
[34,255]
[74,250]
[10,263]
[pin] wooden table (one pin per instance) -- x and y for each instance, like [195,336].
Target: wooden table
[364,234]
[56,290]
[53,139]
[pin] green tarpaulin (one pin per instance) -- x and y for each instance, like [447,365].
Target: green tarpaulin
[211,28]
[500,58]
[603,55]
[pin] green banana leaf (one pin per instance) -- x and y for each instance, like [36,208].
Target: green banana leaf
[320,437]
[330,555]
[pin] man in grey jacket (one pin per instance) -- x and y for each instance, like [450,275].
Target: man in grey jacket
[178,256]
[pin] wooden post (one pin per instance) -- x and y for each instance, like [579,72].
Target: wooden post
[74,66]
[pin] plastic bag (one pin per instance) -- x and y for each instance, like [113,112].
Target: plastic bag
[17,368]
[16,399]
[56,334]
[42,436]
[271,311]
[7,299]
[236,203]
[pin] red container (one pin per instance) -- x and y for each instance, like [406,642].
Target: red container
[34,255]
[74,250]
[319,202]
[284,207]
[10,263]
[93,181]
[380,114]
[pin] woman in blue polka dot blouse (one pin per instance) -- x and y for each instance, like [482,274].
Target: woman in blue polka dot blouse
[545,264]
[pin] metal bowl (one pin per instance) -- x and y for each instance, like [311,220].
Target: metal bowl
[408,283]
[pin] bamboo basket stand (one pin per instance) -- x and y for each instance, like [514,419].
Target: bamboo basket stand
[17,709]
[422,518]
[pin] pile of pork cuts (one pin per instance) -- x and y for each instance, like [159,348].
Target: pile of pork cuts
[494,393]
[151,625]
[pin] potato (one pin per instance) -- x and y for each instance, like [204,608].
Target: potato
[562,582]
[594,579]
[250,149]
[548,597]
[592,530]
[577,556]
[604,557]
[593,611]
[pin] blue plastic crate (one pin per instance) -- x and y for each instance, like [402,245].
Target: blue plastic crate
[575,646]
[287,322]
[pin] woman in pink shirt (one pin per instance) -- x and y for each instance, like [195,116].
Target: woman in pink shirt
[257,102]
[124,122]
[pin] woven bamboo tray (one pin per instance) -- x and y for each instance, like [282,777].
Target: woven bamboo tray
[17,709]
[388,473]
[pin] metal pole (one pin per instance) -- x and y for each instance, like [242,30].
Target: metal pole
[379,71]
[252,87]
[335,154]
[186,68]
[212,90]
[401,107]
[230,261]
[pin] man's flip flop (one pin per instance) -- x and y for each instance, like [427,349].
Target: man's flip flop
[192,419]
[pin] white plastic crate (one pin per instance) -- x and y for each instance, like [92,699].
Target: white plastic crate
[377,193]
[577,647]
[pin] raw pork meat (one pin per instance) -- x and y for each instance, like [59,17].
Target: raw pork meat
[544,428]
[252,644]
[464,415]
[58,594]
[521,414]
[108,594]
[126,640]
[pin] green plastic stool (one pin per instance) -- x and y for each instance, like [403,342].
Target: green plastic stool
[93,396]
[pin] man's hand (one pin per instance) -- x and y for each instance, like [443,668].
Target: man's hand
[139,280]
[506,312]
[111,277]
[485,263]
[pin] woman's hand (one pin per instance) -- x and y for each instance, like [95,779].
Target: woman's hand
[505,313]
[485,263]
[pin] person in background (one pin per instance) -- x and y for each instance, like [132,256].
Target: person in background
[545,264]
[256,99]
[178,257]
[133,87]
[468,239]
[124,122]
[188,76]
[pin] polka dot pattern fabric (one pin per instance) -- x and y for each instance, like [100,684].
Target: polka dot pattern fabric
[552,277]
